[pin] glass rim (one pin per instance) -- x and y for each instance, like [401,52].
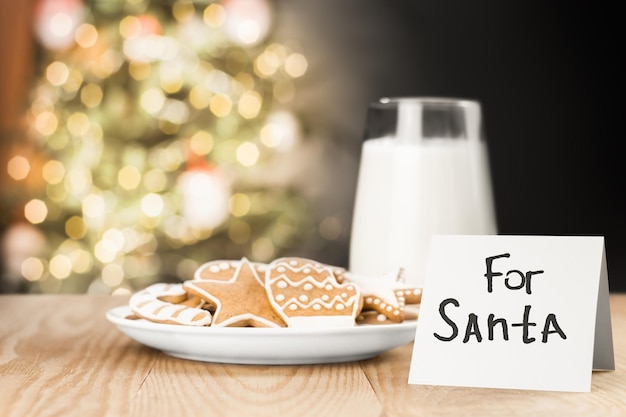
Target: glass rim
[384,102]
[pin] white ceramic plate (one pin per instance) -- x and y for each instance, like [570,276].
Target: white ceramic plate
[265,346]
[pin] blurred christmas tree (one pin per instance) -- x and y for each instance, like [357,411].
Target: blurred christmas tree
[155,123]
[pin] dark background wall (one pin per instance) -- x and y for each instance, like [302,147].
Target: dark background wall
[549,77]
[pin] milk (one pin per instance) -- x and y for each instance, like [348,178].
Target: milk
[407,191]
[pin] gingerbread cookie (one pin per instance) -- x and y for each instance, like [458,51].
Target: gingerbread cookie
[374,317]
[306,293]
[223,270]
[412,294]
[338,272]
[385,294]
[238,293]
[411,312]
[169,303]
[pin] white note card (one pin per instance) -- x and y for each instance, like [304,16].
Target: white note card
[514,312]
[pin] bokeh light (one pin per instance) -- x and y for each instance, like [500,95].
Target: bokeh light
[60,266]
[239,204]
[18,167]
[32,269]
[91,95]
[220,105]
[35,211]
[129,177]
[57,73]
[152,205]
[201,143]
[296,65]
[247,154]
[86,35]
[46,123]
[214,15]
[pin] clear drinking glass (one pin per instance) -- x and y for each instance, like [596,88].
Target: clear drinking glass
[424,170]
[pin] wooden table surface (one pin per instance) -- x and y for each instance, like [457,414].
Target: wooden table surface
[59,356]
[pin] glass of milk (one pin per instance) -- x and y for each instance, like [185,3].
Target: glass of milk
[424,170]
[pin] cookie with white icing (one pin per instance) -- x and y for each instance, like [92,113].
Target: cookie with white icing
[386,294]
[238,293]
[374,317]
[222,269]
[306,293]
[412,294]
[170,304]
[338,272]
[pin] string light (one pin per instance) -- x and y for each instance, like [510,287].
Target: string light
[46,123]
[86,35]
[139,70]
[60,266]
[200,96]
[183,10]
[239,205]
[247,154]
[296,65]
[91,95]
[18,167]
[35,211]
[214,15]
[201,143]
[129,177]
[152,100]
[250,104]
[75,227]
[93,206]
[57,73]
[78,124]
[32,269]
[81,260]
[152,205]
[112,275]
[220,105]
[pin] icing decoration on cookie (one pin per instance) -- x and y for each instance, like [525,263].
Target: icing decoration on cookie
[306,294]
[372,317]
[223,270]
[338,272]
[169,303]
[385,294]
[238,293]
[412,294]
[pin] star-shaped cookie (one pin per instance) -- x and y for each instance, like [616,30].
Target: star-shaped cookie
[387,294]
[241,300]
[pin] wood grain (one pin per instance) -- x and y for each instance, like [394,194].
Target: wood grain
[241,390]
[59,356]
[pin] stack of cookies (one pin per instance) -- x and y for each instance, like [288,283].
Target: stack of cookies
[288,292]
